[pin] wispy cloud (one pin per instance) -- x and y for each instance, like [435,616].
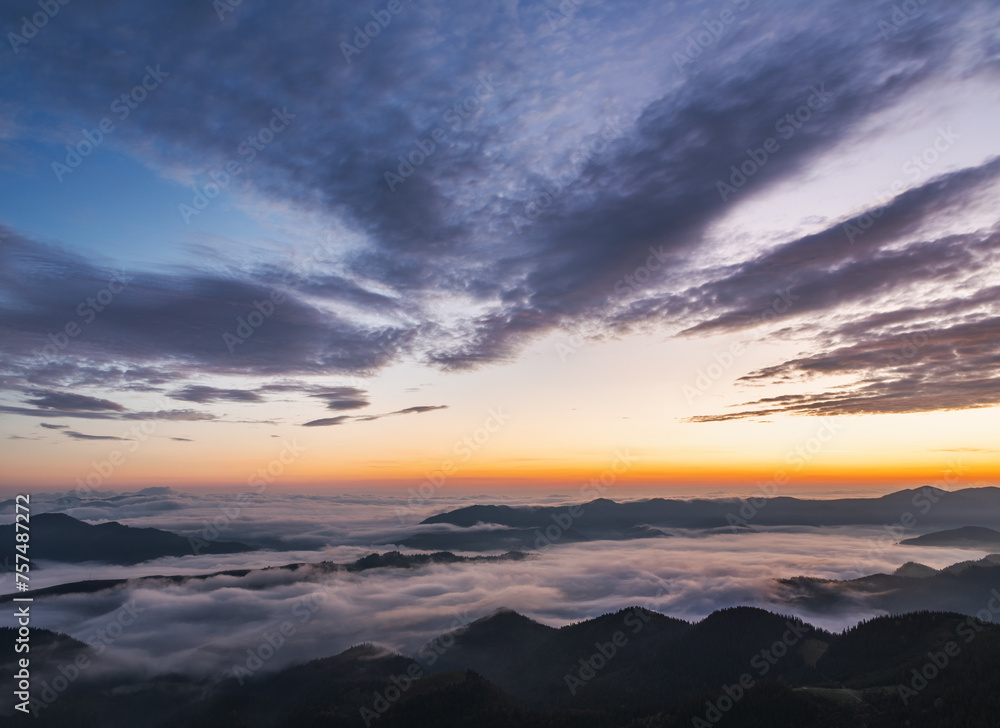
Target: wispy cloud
[341,419]
[81,436]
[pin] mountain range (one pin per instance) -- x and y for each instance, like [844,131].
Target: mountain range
[534,527]
[60,537]
[738,667]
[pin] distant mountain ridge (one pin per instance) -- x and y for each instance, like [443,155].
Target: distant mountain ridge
[528,527]
[60,537]
[392,559]
[964,587]
[967,537]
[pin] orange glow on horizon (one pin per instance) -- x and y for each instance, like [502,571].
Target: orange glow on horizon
[515,474]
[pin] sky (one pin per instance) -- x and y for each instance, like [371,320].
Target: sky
[684,246]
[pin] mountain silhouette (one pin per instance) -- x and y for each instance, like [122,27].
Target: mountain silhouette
[739,667]
[963,587]
[534,527]
[389,560]
[60,537]
[967,537]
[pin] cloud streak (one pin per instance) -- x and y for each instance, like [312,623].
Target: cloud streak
[342,419]
[81,436]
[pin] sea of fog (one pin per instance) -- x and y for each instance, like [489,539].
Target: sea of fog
[205,626]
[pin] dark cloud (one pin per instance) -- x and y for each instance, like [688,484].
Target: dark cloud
[183,318]
[330,421]
[336,398]
[420,409]
[29,412]
[655,188]
[940,354]
[203,394]
[343,398]
[831,269]
[72,402]
[407,411]
[185,415]
[48,426]
[921,370]
[81,436]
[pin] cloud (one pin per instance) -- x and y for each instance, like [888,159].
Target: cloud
[328,421]
[965,449]
[830,270]
[406,411]
[185,415]
[71,402]
[80,436]
[203,394]
[420,409]
[897,369]
[331,421]
[181,318]
[336,398]
[541,199]
[48,426]
[343,398]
